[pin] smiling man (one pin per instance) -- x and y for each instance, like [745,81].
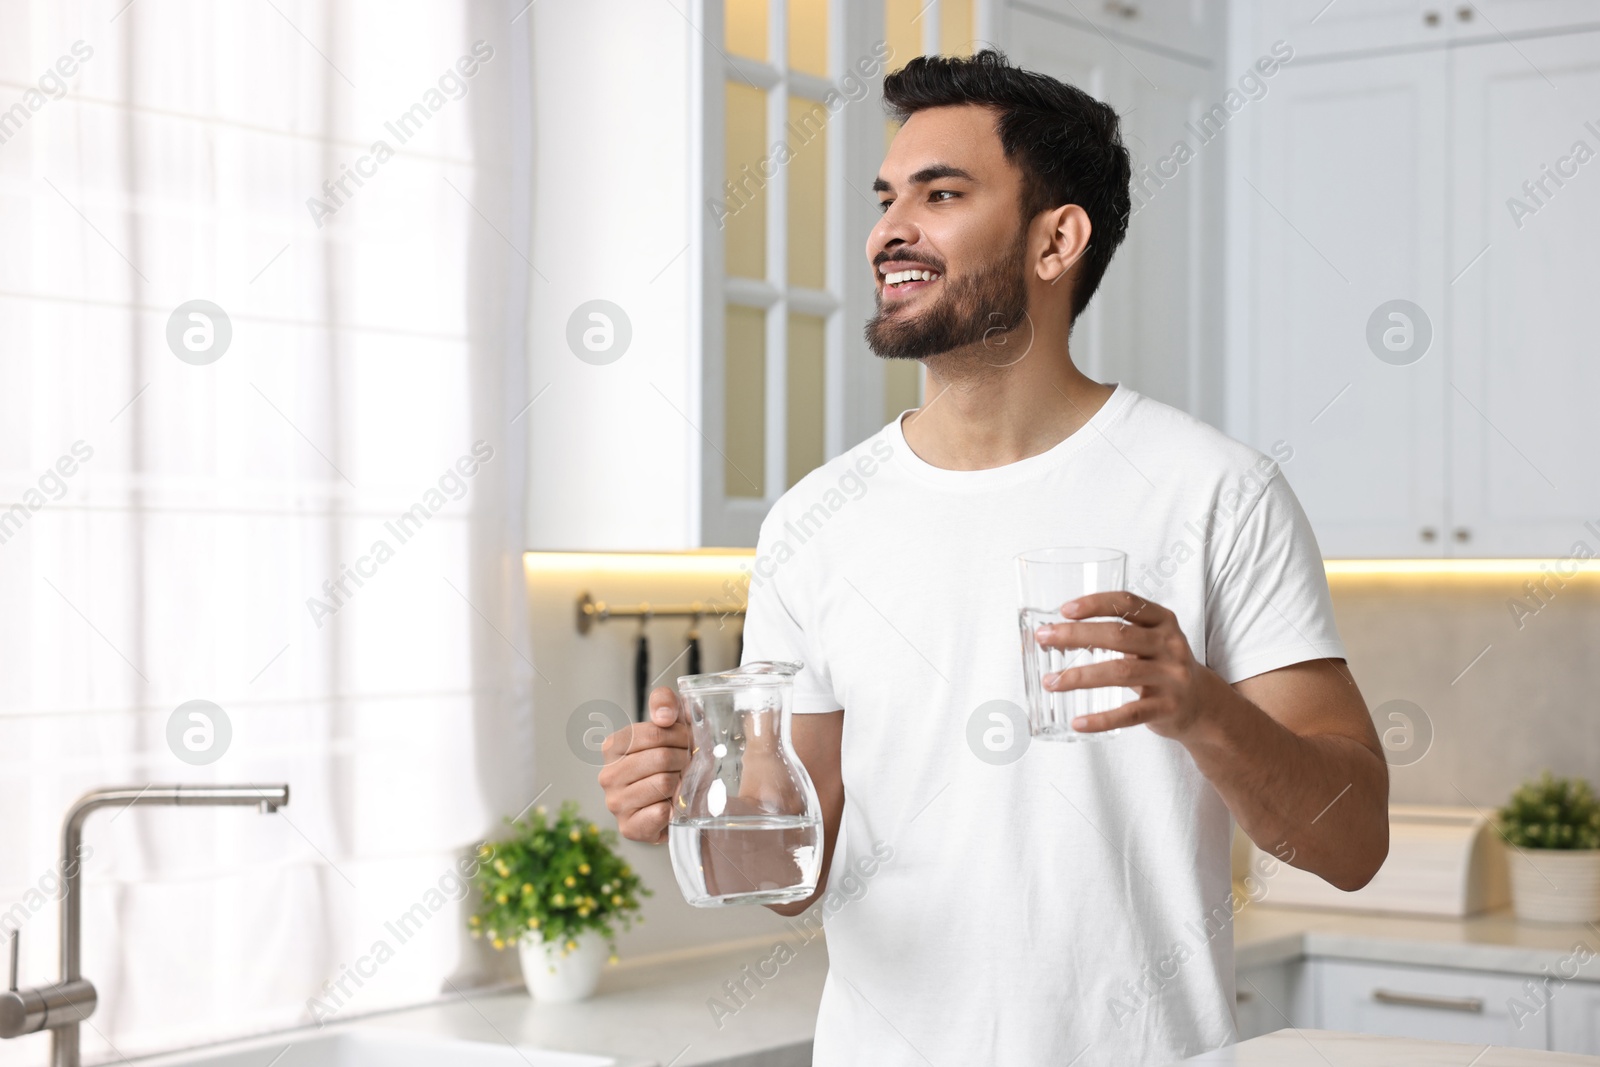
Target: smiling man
[1028,902]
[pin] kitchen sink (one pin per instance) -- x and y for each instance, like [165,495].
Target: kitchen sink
[362,1047]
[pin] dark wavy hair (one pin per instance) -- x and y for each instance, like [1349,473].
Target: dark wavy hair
[1067,144]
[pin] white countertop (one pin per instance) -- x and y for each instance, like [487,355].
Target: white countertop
[1493,941]
[1321,1048]
[658,1010]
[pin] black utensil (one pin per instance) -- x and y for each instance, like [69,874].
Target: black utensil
[693,665]
[641,676]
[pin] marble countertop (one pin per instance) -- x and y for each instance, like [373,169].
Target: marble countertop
[1322,1048]
[658,1012]
[737,1007]
[1492,941]
[663,1010]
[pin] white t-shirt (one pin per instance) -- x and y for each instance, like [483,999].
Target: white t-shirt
[1072,905]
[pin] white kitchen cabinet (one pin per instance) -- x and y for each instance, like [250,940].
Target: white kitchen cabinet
[674,391]
[1378,178]
[1154,323]
[1270,997]
[1317,27]
[1489,19]
[1521,334]
[1345,215]
[1346,27]
[1574,1011]
[1186,27]
[1426,1002]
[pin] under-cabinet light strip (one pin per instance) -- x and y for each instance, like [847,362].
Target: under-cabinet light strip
[723,560]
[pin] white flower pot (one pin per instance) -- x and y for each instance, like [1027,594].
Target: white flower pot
[1554,885]
[556,979]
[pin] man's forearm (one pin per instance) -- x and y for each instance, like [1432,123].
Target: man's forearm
[1319,802]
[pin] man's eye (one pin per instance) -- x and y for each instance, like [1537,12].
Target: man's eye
[942,193]
[883,205]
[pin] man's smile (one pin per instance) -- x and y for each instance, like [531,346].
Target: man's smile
[900,279]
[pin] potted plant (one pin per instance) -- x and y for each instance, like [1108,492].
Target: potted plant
[556,890]
[1553,825]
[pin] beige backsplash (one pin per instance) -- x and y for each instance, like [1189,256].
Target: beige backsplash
[1527,703]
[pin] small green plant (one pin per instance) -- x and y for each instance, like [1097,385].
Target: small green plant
[1551,812]
[554,880]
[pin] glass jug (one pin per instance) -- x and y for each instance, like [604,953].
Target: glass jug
[746,825]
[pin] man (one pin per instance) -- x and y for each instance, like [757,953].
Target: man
[1069,903]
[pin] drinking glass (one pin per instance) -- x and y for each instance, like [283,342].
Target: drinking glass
[1046,579]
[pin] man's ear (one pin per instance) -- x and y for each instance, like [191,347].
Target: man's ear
[1067,230]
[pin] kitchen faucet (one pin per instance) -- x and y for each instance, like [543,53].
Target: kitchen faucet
[61,1007]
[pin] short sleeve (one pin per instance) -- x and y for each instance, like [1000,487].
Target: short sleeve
[1268,604]
[772,630]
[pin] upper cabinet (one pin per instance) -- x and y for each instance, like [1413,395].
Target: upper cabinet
[1410,281]
[1524,189]
[699,276]
[1155,322]
[1321,28]
[1189,27]
[1346,216]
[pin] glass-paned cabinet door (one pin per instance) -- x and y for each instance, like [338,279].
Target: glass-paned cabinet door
[744,220]
[913,28]
[774,242]
[745,424]
[744,24]
[792,133]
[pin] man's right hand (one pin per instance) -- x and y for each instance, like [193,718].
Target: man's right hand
[643,764]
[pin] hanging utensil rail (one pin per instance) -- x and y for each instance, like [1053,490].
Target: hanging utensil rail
[591,611]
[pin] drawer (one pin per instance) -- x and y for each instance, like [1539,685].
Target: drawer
[1433,1003]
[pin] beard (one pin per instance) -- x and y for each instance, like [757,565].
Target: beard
[971,310]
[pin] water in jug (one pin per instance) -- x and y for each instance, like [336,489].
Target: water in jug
[746,826]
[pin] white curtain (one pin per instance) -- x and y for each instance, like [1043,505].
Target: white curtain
[347,182]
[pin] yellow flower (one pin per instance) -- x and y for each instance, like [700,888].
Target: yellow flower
[576,835]
[612,958]
[533,923]
[473,920]
[583,913]
[616,898]
[484,851]
[593,829]
[583,868]
[499,944]
[500,898]
[527,887]
[540,810]
[500,865]
[559,900]
[572,946]
[569,881]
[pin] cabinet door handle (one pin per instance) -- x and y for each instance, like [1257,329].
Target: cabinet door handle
[1431,18]
[1463,534]
[1428,533]
[1422,1000]
[1464,13]
[1122,10]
